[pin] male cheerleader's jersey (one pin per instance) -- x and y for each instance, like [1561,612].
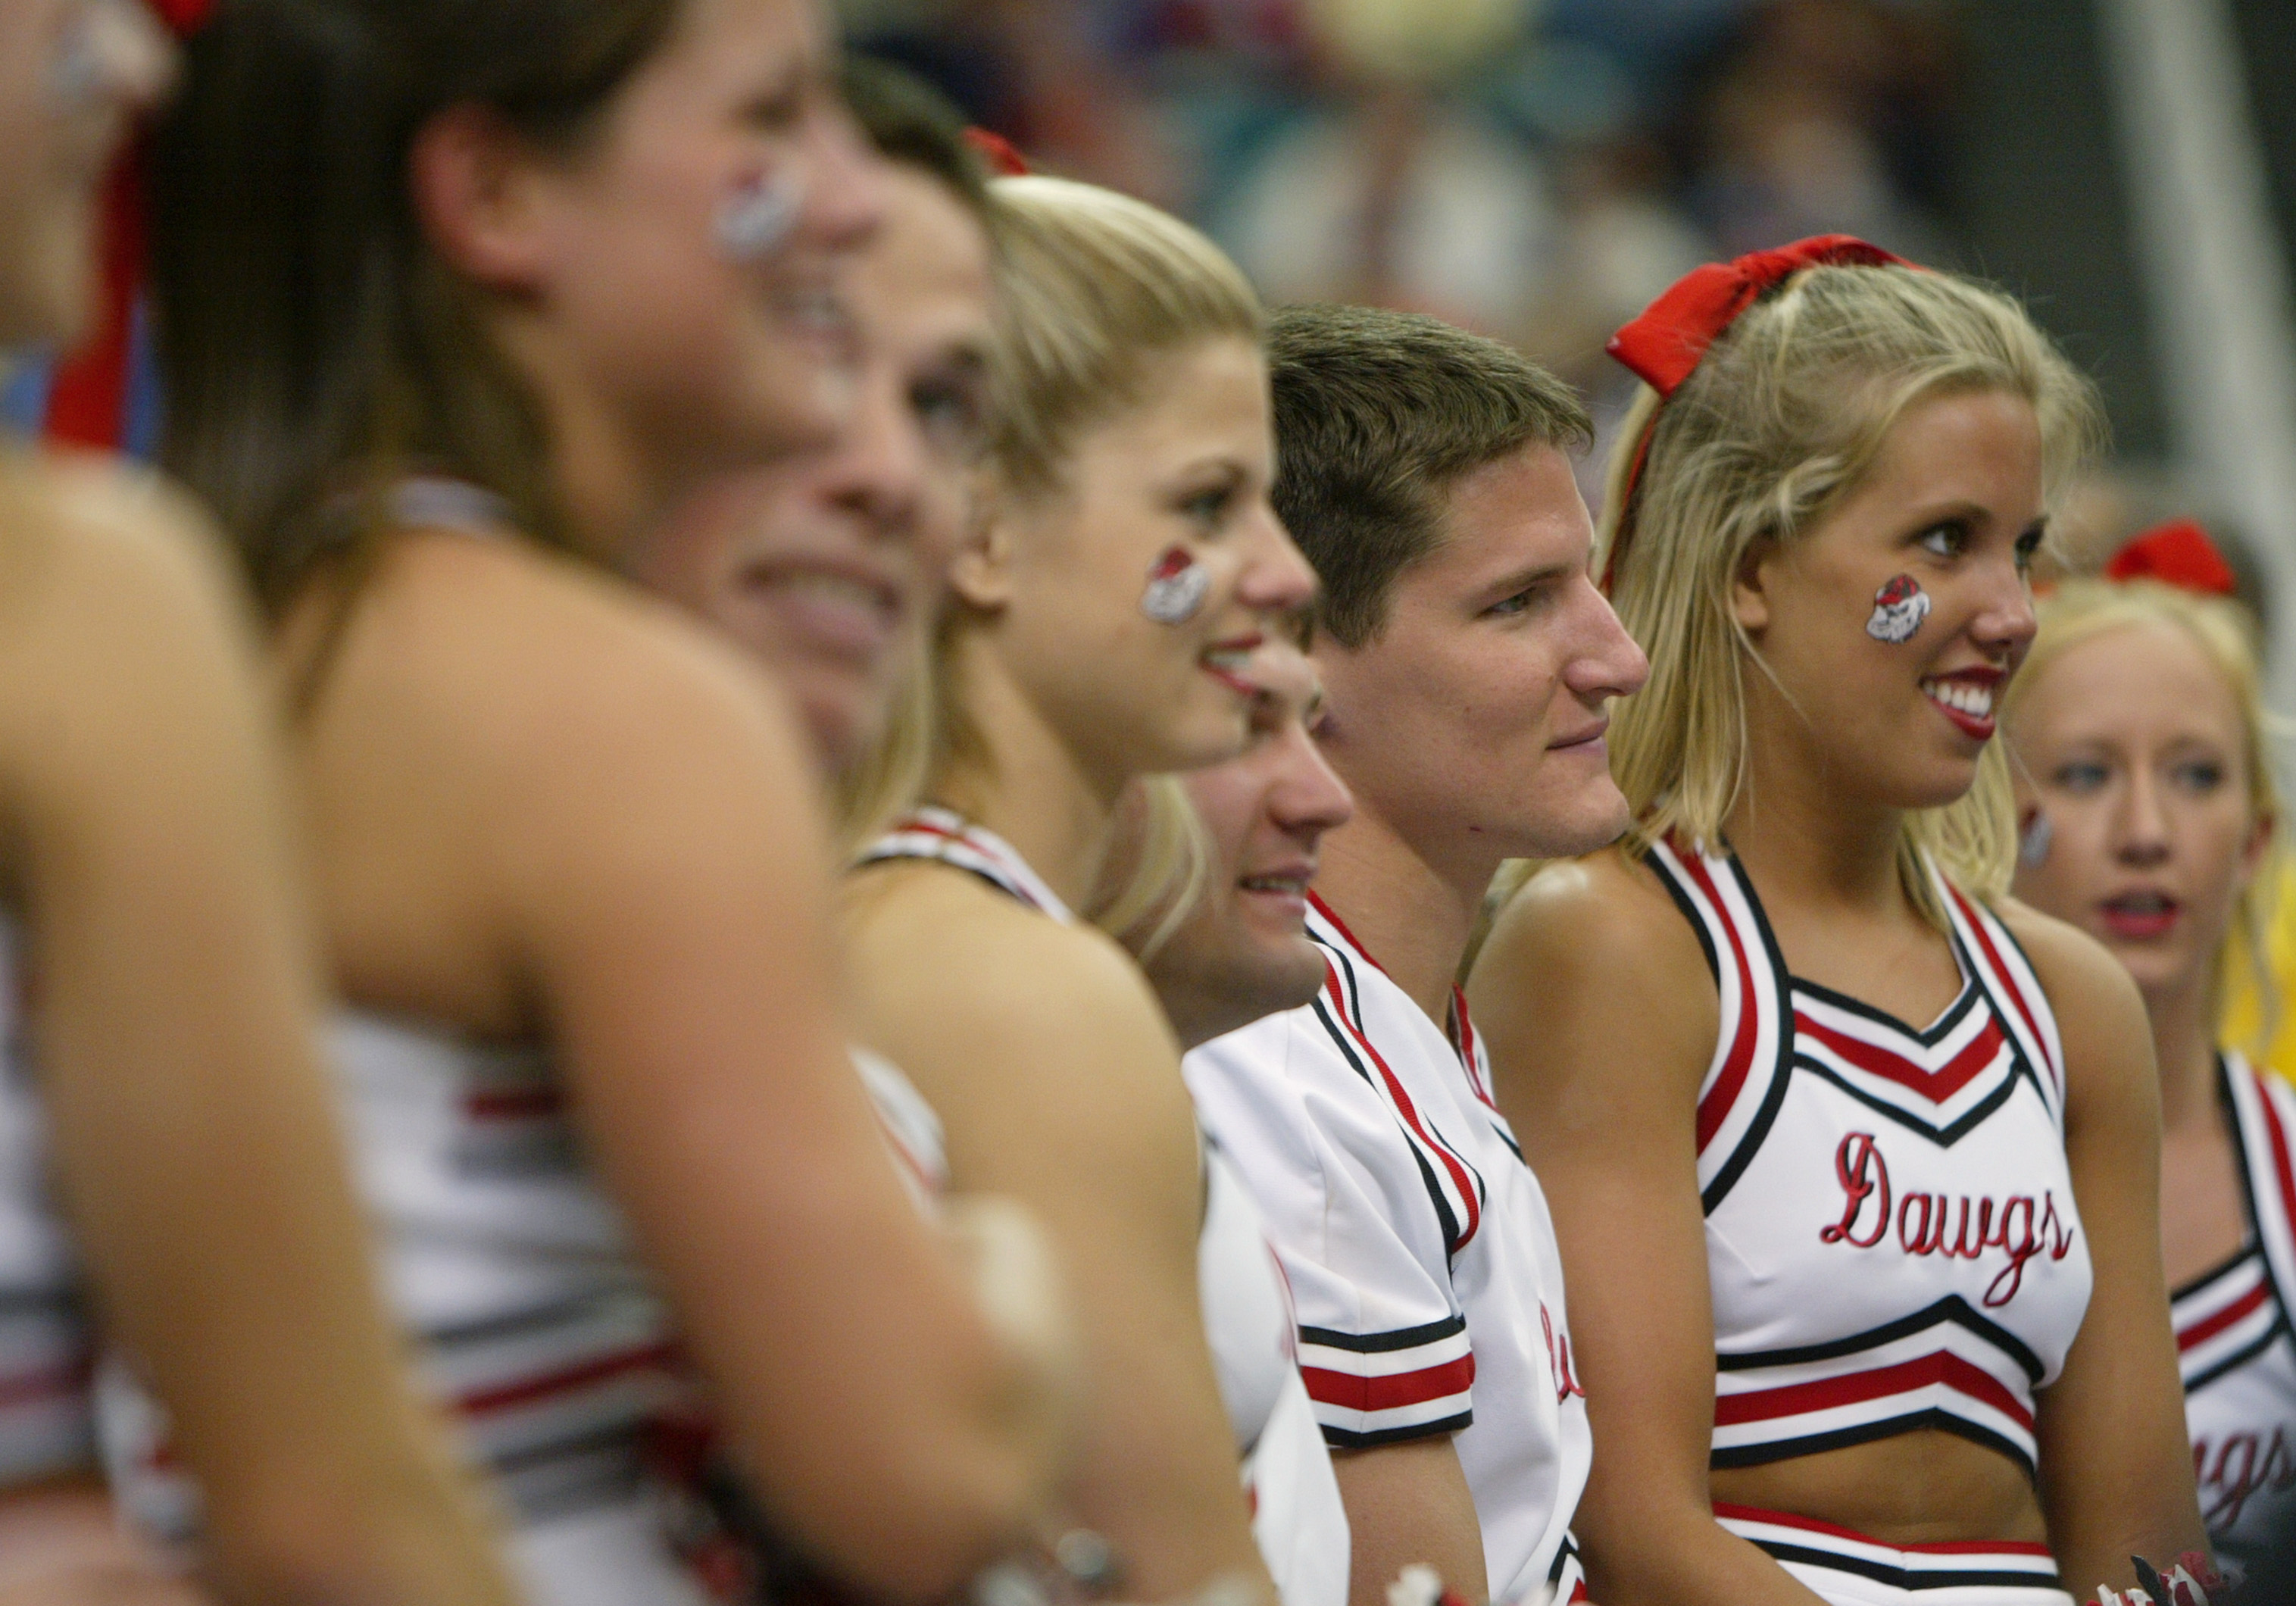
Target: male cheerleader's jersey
[1297,1519]
[44,1421]
[1891,1238]
[2234,1341]
[1418,1245]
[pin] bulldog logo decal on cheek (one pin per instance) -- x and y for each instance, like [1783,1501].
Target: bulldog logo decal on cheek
[758,215]
[1176,587]
[1899,608]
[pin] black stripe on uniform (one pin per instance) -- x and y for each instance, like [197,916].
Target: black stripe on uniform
[1388,1342]
[1901,1578]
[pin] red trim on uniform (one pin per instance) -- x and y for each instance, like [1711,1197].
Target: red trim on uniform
[2282,1173]
[1466,1047]
[2207,1327]
[1811,1525]
[1362,953]
[645,1358]
[1402,1104]
[1799,1399]
[1393,1391]
[2008,983]
[514,1105]
[1715,1107]
[50,1382]
[964,838]
[1936,1085]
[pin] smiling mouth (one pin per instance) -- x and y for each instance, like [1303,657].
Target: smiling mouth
[2141,916]
[1230,664]
[1969,704]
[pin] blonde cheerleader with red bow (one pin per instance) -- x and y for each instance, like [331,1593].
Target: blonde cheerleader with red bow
[1853,1156]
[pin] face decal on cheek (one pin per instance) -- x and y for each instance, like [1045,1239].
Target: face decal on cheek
[2033,839]
[1176,587]
[1899,608]
[759,213]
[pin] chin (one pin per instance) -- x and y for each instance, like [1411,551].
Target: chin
[1583,825]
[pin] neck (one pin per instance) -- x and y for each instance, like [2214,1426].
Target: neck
[1413,919]
[1028,786]
[602,485]
[1802,837]
[2184,1045]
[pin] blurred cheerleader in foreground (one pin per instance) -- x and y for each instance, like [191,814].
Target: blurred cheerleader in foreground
[456,297]
[166,1131]
[2149,818]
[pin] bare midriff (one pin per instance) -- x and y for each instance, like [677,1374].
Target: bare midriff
[1923,1488]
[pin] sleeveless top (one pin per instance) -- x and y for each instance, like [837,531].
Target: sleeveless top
[501,1256]
[2236,1343]
[1891,1235]
[45,1428]
[1298,1522]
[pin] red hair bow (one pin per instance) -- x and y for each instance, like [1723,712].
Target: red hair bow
[1004,158]
[1664,345]
[87,395]
[2178,553]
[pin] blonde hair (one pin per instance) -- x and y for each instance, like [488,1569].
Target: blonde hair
[1093,287]
[1776,425]
[2081,611]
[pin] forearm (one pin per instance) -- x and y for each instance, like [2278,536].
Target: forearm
[1674,1554]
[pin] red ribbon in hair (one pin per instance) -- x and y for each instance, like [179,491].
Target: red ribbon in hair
[87,394]
[1004,158]
[1665,344]
[2178,553]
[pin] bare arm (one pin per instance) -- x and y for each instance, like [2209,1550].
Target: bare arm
[2116,1468]
[665,884]
[174,1028]
[1595,1002]
[1060,1085]
[1410,1503]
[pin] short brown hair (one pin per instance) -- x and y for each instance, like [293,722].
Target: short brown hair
[914,125]
[1376,413]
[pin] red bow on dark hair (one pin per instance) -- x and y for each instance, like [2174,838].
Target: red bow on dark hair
[1004,158]
[87,394]
[2178,553]
[1664,345]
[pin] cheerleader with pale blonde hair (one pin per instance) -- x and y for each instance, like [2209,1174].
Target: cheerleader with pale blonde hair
[2149,818]
[1853,1158]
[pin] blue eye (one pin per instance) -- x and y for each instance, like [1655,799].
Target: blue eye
[2079,777]
[2029,548]
[2202,775]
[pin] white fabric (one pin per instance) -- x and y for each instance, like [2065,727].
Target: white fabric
[1298,1520]
[45,1412]
[2235,1342]
[1418,1247]
[1892,1241]
[1848,1569]
[503,1256]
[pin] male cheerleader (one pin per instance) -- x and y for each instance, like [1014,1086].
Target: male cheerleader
[1466,659]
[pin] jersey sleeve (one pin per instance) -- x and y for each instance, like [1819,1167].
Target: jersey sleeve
[1383,1345]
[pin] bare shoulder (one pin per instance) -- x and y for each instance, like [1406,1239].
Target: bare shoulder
[996,1010]
[528,658]
[1601,925]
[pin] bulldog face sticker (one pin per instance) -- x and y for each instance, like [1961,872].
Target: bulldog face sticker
[1899,608]
[1176,587]
[758,215]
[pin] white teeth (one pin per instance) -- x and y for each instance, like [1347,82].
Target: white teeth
[1273,883]
[1229,659]
[1976,701]
[837,589]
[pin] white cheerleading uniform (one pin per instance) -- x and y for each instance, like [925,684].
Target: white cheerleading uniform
[1419,1249]
[2235,1344]
[1892,1241]
[46,1426]
[506,1262]
[1297,1519]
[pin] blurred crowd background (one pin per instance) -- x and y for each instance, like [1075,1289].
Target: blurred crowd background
[1538,169]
